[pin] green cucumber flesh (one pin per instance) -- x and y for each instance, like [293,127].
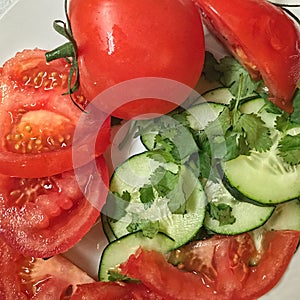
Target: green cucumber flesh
[107,229]
[220,95]
[118,251]
[135,173]
[285,217]
[244,216]
[169,128]
[262,177]
[200,115]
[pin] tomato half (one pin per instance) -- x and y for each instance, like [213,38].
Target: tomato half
[121,40]
[37,121]
[24,278]
[113,291]
[42,217]
[218,268]
[263,38]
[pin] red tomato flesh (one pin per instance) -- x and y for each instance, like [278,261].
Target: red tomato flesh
[113,291]
[38,122]
[24,278]
[217,268]
[42,217]
[263,38]
[121,40]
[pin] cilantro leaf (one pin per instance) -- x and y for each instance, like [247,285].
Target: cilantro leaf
[116,204]
[289,149]
[257,134]
[282,122]
[147,195]
[232,71]
[295,116]
[115,275]
[221,212]
[149,228]
[163,181]
[209,69]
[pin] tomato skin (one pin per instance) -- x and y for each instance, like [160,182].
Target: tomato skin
[35,115]
[31,278]
[263,38]
[232,276]
[47,216]
[136,39]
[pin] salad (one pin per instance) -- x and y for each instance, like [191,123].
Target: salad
[169,204]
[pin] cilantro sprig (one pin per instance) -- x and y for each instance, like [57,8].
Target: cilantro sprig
[245,132]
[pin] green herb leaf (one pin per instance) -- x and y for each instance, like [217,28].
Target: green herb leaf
[163,181]
[209,68]
[115,275]
[148,228]
[232,71]
[116,204]
[289,149]
[221,212]
[295,116]
[257,133]
[147,195]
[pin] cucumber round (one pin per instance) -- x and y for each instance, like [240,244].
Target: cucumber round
[200,115]
[107,229]
[243,216]
[181,226]
[220,95]
[285,217]
[119,251]
[169,128]
[263,177]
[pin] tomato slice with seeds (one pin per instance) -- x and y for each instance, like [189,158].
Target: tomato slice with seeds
[223,267]
[26,278]
[42,217]
[38,121]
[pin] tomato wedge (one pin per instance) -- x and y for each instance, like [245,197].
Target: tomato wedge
[37,120]
[24,278]
[218,268]
[121,40]
[42,217]
[263,38]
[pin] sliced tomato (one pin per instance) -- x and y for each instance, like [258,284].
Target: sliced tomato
[218,268]
[136,39]
[42,217]
[37,120]
[113,291]
[263,38]
[34,278]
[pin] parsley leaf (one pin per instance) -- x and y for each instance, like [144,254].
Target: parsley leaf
[221,212]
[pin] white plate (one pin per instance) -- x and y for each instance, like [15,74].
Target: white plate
[28,24]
